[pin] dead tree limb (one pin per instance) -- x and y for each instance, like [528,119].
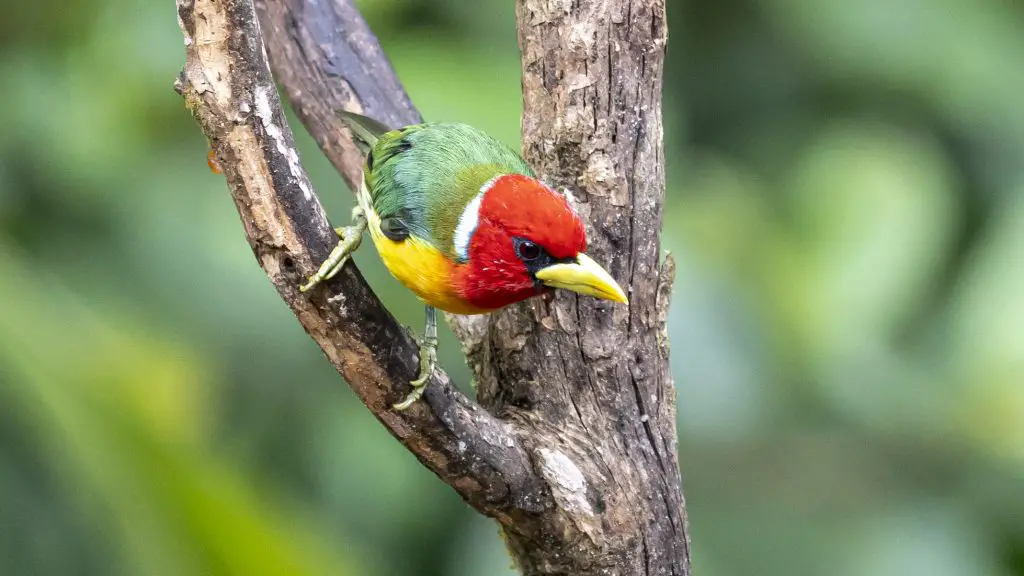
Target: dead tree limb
[574,450]
[326,58]
[227,85]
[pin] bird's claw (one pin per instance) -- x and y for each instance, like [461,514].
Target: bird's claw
[428,360]
[349,238]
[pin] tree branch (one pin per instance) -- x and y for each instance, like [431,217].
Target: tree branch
[581,470]
[227,85]
[326,59]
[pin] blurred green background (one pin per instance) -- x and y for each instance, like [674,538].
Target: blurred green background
[845,200]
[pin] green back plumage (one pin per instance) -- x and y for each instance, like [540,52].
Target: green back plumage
[426,174]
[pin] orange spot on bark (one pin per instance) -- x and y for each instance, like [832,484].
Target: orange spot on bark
[211,161]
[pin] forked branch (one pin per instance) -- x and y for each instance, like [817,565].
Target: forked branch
[581,469]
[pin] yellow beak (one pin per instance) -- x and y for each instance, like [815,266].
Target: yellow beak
[585,277]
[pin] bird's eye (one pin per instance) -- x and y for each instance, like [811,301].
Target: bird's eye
[527,250]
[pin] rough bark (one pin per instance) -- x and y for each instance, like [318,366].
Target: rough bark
[574,448]
[326,58]
[585,377]
[227,85]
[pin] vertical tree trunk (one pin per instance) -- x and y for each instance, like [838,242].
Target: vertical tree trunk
[588,380]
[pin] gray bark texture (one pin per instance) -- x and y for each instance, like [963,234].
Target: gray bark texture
[571,445]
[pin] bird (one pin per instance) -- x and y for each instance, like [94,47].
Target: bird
[462,221]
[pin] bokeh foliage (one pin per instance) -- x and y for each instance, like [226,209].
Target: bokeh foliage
[845,201]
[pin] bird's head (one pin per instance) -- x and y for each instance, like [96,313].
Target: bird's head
[518,238]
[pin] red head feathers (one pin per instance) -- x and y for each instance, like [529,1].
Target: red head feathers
[520,227]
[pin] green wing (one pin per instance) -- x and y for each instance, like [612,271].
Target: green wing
[421,177]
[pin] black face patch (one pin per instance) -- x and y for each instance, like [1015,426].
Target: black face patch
[394,228]
[535,257]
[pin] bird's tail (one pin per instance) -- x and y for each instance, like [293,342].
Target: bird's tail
[365,133]
[365,130]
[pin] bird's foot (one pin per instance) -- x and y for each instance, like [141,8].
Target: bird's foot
[428,360]
[349,239]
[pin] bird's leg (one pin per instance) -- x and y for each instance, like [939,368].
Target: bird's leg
[428,359]
[349,239]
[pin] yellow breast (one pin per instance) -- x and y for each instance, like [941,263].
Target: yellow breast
[421,268]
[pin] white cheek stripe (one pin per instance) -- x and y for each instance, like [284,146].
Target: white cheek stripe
[470,219]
